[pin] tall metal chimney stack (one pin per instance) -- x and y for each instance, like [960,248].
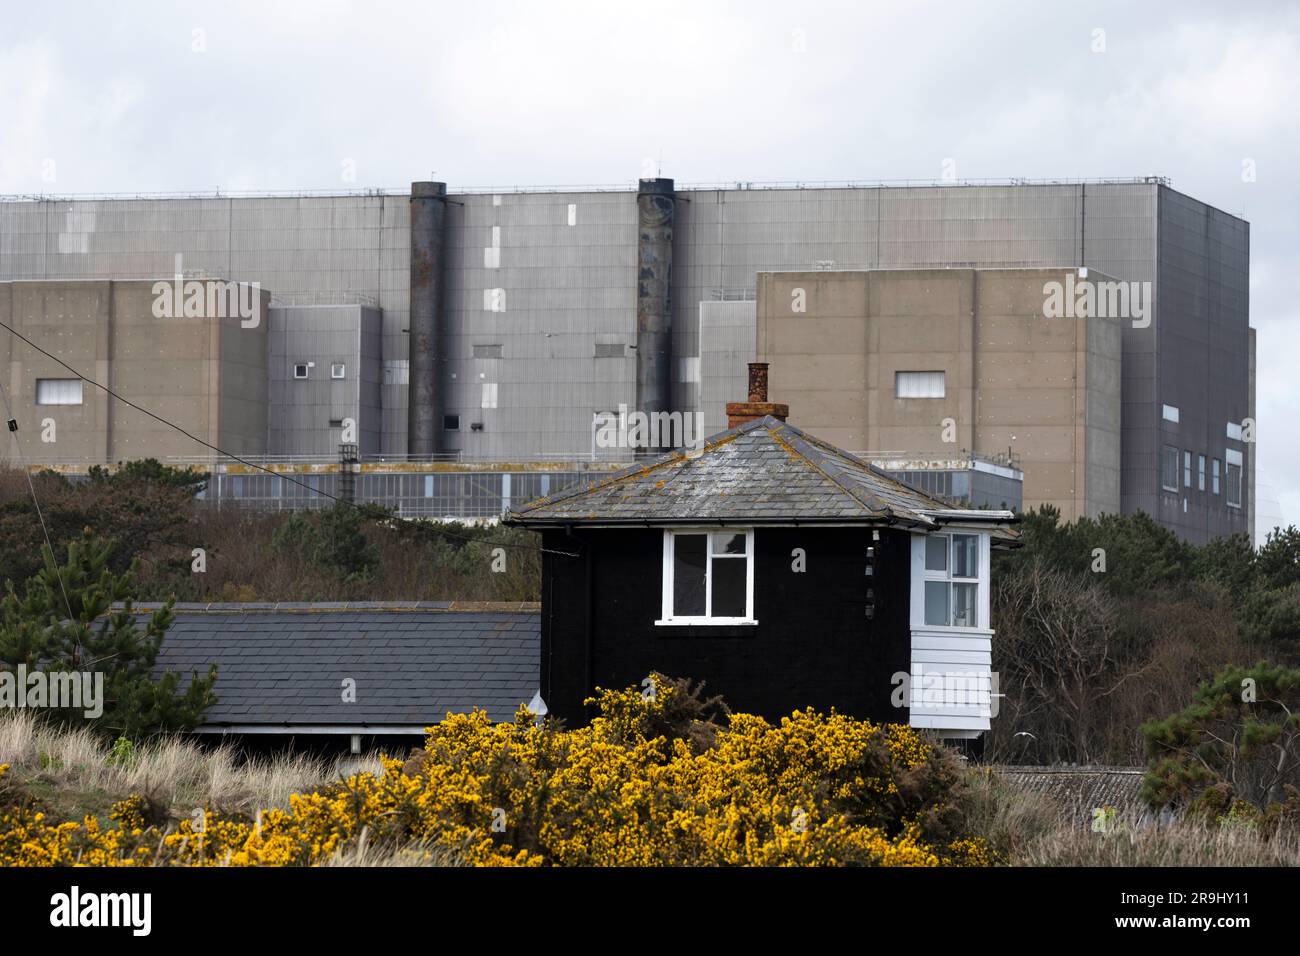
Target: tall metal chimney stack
[654,304]
[424,395]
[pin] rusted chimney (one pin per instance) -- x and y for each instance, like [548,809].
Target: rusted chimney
[740,412]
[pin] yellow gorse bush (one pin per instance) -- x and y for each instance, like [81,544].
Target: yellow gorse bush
[626,790]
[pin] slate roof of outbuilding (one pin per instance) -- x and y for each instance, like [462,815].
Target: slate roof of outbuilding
[765,470]
[413,662]
[1078,790]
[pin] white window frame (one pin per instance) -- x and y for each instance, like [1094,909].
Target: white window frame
[306,370]
[920,575]
[338,370]
[1216,470]
[668,619]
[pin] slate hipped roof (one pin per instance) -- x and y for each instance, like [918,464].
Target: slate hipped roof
[281,667]
[764,470]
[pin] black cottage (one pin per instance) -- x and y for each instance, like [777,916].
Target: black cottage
[784,572]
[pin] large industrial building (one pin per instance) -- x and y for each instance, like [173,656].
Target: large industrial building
[496,325]
[917,362]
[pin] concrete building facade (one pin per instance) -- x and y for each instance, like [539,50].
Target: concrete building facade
[205,373]
[931,362]
[543,301]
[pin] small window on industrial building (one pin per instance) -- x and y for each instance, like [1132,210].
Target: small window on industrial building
[1200,472]
[338,370]
[300,370]
[1234,478]
[451,423]
[58,391]
[1169,468]
[1234,431]
[610,350]
[488,351]
[1187,469]
[1214,475]
[397,372]
[489,395]
[1170,413]
[918,384]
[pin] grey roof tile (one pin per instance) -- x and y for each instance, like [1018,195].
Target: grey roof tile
[764,469]
[287,666]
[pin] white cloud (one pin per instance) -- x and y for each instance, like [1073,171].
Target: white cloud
[26,79]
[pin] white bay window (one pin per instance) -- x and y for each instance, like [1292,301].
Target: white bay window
[954,688]
[950,580]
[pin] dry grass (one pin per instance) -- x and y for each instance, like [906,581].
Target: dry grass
[72,772]
[1029,829]
[1175,844]
[1008,818]
[370,855]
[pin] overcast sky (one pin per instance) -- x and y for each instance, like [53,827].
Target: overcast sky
[152,97]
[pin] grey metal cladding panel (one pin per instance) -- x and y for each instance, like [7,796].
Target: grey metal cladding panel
[563,285]
[23,225]
[315,238]
[1120,231]
[301,410]
[727,345]
[1203,337]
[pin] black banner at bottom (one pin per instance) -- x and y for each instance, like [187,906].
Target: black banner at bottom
[304,906]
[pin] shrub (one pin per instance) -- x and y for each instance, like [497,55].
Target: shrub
[638,786]
[335,542]
[1236,747]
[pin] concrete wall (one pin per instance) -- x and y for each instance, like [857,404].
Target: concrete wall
[330,249]
[1045,390]
[1103,422]
[207,375]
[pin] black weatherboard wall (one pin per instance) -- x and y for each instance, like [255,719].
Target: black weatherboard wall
[813,646]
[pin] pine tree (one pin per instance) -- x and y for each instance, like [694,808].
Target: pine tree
[65,622]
